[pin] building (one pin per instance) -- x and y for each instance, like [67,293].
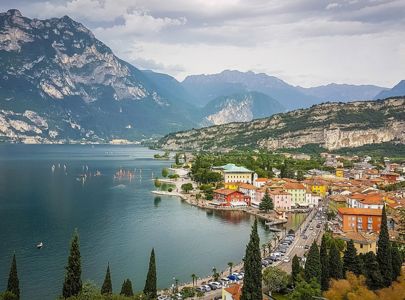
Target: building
[232,185]
[372,200]
[359,219]
[233,173]
[260,182]
[336,202]
[311,199]
[232,292]
[297,191]
[364,242]
[248,190]
[340,172]
[227,197]
[281,199]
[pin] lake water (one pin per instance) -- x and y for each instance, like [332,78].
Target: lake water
[118,220]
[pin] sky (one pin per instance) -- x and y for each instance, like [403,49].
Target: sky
[306,43]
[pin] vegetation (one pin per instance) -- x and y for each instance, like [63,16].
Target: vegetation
[73,282]
[335,262]
[305,290]
[165,172]
[13,284]
[267,203]
[324,265]
[106,288]
[252,282]
[187,187]
[150,289]
[313,264]
[275,279]
[351,262]
[296,268]
[384,255]
[126,289]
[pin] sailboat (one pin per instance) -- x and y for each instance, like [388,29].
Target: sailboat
[53,168]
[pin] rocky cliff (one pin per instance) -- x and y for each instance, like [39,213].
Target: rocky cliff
[331,125]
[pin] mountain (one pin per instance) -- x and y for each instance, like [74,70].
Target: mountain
[342,92]
[60,83]
[240,108]
[330,125]
[205,88]
[398,90]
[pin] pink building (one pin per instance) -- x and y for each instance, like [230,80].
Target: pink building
[281,199]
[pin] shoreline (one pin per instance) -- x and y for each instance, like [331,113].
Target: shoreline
[190,199]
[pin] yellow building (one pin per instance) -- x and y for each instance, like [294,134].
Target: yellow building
[340,172]
[319,188]
[364,242]
[231,185]
[233,173]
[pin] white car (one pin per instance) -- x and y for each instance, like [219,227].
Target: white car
[286,259]
[237,275]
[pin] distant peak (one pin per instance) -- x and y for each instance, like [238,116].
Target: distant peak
[14,12]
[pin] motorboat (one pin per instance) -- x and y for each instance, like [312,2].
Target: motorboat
[40,245]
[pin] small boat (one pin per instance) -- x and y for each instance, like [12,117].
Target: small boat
[53,168]
[40,245]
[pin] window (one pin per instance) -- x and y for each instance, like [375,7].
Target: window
[361,246]
[370,220]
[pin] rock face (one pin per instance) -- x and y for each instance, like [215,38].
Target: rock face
[242,107]
[57,69]
[331,125]
[396,91]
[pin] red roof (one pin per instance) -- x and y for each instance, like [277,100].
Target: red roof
[359,211]
[225,192]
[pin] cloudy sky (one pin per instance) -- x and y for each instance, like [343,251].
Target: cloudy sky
[305,43]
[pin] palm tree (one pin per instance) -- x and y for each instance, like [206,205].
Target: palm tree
[194,277]
[230,265]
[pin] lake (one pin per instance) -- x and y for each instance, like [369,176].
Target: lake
[119,220]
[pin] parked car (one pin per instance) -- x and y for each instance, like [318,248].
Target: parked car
[200,289]
[224,280]
[240,276]
[232,278]
[212,286]
[306,247]
[265,263]
[163,297]
[207,288]
[286,259]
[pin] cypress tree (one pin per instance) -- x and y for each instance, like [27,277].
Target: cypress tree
[296,268]
[73,282]
[384,251]
[335,262]
[13,284]
[324,265]
[267,203]
[150,289]
[351,262]
[252,282]
[372,271]
[313,264]
[106,289]
[396,261]
[126,289]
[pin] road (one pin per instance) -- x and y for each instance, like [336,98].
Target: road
[298,247]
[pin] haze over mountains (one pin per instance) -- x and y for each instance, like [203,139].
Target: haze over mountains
[60,83]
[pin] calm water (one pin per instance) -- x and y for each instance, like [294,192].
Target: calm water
[119,221]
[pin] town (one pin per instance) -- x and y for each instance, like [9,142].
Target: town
[344,199]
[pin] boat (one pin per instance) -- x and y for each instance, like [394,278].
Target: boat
[40,245]
[53,168]
[274,229]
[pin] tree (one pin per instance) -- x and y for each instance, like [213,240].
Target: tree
[150,289]
[186,187]
[384,257]
[300,175]
[126,289]
[7,295]
[230,265]
[305,290]
[252,282]
[396,261]
[106,289]
[351,262]
[324,265]
[165,172]
[267,203]
[313,264]
[275,279]
[176,158]
[194,278]
[372,271]
[296,268]
[13,284]
[157,183]
[353,288]
[335,262]
[73,282]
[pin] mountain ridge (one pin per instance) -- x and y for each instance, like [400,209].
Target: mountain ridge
[332,125]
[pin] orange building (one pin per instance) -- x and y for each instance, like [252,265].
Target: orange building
[359,219]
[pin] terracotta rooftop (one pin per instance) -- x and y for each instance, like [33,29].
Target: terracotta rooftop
[359,237]
[225,191]
[261,179]
[294,186]
[247,186]
[359,211]
[235,290]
